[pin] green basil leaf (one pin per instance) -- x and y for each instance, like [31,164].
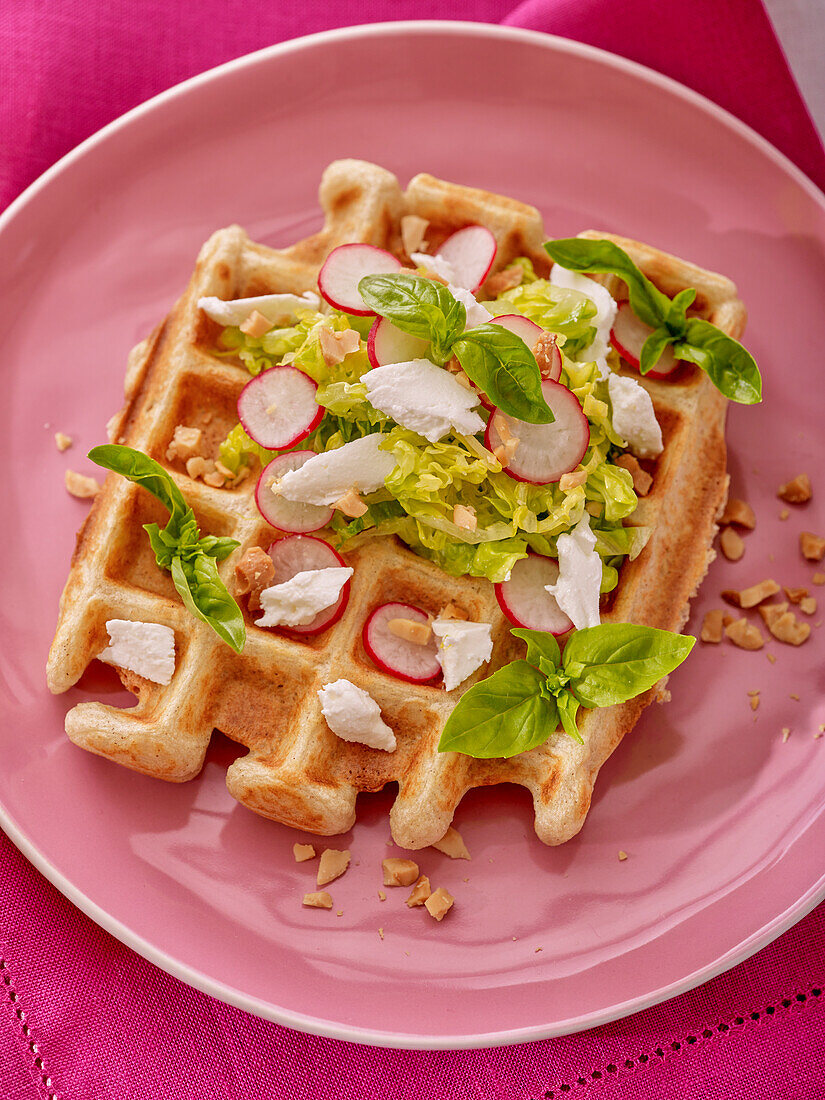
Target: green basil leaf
[215,547]
[568,706]
[679,304]
[653,347]
[605,257]
[614,662]
[206,596]
[142,470]
[729,366]
[539,644]
[501,364]
[418,306]
[501,716]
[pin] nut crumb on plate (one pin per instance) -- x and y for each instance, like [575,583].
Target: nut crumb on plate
[795,491]
[808,605]
[81,486]
[712,626]
[784,513]
[381,933]
[738,512]
[770,612]
[732,544]
[332,865]
[812,546]
[420,892]
[745,634]
[303,852]
[399,872]
[63,441]
[452,845]
[622,856]
[786,733]
[819,578]
[795,595]
[318,900]
[790,630]
[382,896]
[439,903]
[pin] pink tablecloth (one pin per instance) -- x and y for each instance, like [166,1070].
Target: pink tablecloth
[82,1017]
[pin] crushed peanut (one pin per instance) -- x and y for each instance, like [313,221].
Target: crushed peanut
[319,900]
[410,630]
[819,578]
[253,573]
[771,657]
[786,733]
[745,634]
[382,896]
[351,504]
[794,696]
[413,230]
[738,512]
[732,544]
[507,279]
[332,865]
[795,595]
[453,611]
[224,471]
[546,352]
[420,892]
[63,441]
[712,626]
[399,872]
[303,852]
[196,466]
[214,479]
[808,605]
[727,618]
[642,480]
[464,516]
[452,845]
[770,612]
[754,702]
[572,480]
[336,346]
[381,933]
[784,513]
[812,546]
[795,491]
[788,629]
[622,856]
[255,325]
[439,903]
[184,444]
[757,593]
[81,486]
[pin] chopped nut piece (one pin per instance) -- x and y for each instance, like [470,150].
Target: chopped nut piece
[732,545]
[255,325]
[196,466]
[63,441]
[727,619]
[339,912]
[750,597]
[224,470]
[253,573]
[738,512]
[452,845]
[546,352]
[214,479]
[303,852]
[784,513]
[410,630]
[754,702]
[463,380]
[464,516]
[786,733]
[332,865]
[788,629]
[794,696]
[81,486]
[771,657]
[336,346]
[439,903]
[808,605]
[413,229]
[381,933]
[184,444]
[745,634]
[622,856]
[351,504]
[642,480]
[712,626]
[382,896]
[399,872]
[770,612]
[593,507]
[572,480]
[795,594]
[812,546]
[453,611]
[796,491]
[507,279]
[819,578]
[420,892]
[319,900]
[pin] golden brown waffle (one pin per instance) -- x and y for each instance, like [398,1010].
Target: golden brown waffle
[296,770]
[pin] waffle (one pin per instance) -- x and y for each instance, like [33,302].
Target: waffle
[296,770]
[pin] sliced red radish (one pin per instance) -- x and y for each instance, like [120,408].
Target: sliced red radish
[278,407]
[530,332]
[470,252]
[629,334]
[288,515]
[524,599]
[345,267]
[387,344]
[406,660]
[544,451]
[298,553]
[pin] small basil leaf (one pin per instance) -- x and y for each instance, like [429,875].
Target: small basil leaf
[215,547]
[653,347]
[614,662]
[142,470]
[539,644]
[729,366]
[568,706]
[501,716]
[418,306]
[676,319]
[501,364]
[205,595]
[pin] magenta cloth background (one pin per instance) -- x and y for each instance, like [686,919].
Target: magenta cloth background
[84,1018]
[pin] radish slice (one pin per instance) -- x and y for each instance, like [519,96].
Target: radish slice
[387,344]
[470,253]
[297,553]
[278,407]
[629,334]
[288,515]
[406,660]
[529,332]
[524,599]
[544,451]
[345,267]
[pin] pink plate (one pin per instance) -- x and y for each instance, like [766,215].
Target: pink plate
[722,821]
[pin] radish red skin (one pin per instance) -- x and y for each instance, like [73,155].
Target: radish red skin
[511,597]
[563,402]
[372,637]
[277,511]
[343,269]
[303,387]
[529,332]
[319,555]
[631,350]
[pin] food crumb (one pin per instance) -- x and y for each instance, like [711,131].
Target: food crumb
[732,544]
[80,486]
[439,903]
[420,892]
[754,702]
[332,865]
[712,626]
[63,441]
[382,896]
[452,845]
[818,735]
[790,630]
[784,513]
[819,578]
[622,856]
[812,546]
[795,491]
[399,872]
[740,513]
[537,950]
[745,634]
[381,933]
[319,900]
[339,912]
[303,852]
[786,733]
[808,605]
[771,657]
[794,696]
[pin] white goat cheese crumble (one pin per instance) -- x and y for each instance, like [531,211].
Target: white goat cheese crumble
[605,314]
[353,715]
[424,398]
[633,416]
[297,601]
[275,307]
[324,479]
[145,648]
[462,648]
[580,575]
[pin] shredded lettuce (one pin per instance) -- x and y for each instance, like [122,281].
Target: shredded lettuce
[565,312]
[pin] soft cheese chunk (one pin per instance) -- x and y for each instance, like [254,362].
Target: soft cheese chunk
[462,648]
[297,601]
[145,648]
[605,313]
[325,479]
[437,264]
[477,314]
[580,575]
[275,307]
[424,398]
[353,715]
[633,416]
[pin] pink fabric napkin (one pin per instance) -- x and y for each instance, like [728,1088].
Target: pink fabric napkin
[84,1018]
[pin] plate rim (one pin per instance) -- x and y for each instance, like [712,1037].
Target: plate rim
[192,976]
